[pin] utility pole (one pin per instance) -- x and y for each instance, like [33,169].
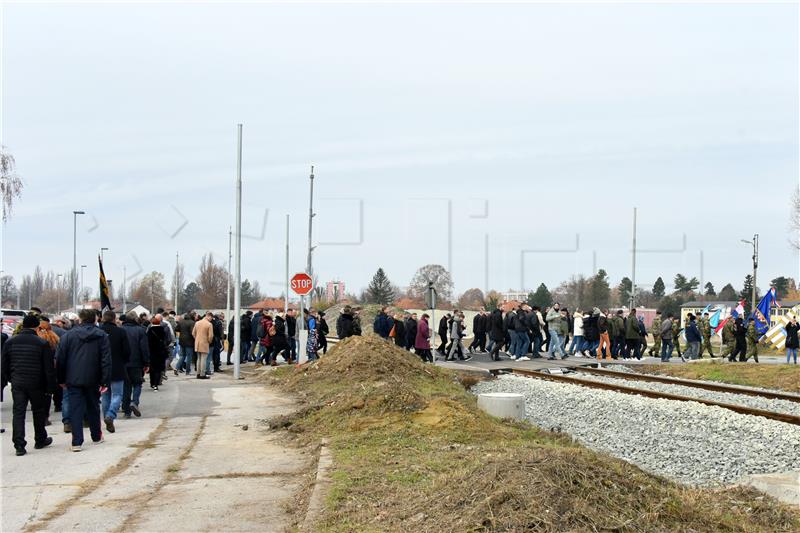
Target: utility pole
[177,289]
[754,242]
[286,289]
[228,297]
[237,298]
[309,269]
[74,260]
[633,260]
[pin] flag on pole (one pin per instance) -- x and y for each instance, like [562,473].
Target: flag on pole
[715,319]
[761,313]
[105,299]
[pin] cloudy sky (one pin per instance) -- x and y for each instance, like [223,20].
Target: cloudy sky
[529,126]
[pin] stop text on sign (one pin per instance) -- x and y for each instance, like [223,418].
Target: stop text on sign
[301,283]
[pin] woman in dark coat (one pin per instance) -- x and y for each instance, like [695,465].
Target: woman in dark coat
[399,331]
[279,342]
[791,339]
[740,334]
[496,333]
[157,343]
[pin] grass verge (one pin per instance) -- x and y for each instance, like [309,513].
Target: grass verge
[413,453]
[781,377]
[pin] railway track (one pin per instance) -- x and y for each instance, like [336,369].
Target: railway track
[560,378]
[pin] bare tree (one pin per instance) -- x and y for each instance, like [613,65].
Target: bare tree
[10,182]
[437,275]
[213,282]
[149,290]
[178,283]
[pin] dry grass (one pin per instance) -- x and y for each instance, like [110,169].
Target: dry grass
[413,453]
[781,377]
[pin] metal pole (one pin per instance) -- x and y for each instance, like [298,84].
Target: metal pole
[82,267]
[286,293]
[124,289]
[228,298]
[237,298]
[177,289]
[74,259]
[755,270]
[633,260]
[309,270]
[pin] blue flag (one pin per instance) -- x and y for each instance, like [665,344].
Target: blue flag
[761,313]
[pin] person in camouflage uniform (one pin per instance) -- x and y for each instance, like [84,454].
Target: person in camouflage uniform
[705,330]
[656,330]
[676,335]
[728,339]
[752,341]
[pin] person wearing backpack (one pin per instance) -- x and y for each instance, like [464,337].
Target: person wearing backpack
[277,336]
[265,340]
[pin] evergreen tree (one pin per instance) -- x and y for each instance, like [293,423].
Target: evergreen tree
[710,289]
[728,293]
[658,288]
[781,285]
[191,297]
[747,294]
[541,297]
[380,290]
[624,289]
[599,290]
[684,285]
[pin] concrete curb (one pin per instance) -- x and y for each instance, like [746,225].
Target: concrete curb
[316,503]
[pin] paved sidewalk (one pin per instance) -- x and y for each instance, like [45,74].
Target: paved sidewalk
[187,465]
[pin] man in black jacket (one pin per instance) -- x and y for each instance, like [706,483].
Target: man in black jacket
[444,324]
[216,346]
[27,363]
[291,339]
[411,332]
[111,399]
[186,343]
[344,324]
[324,330]
[479,333]
[138,364]
[83,365]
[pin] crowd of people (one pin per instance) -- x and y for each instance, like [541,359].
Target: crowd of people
[93,368]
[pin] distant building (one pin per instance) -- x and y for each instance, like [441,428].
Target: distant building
[514,296]
[334,291]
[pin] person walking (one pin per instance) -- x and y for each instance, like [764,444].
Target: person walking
[632,337]
[553,327]
[277,338]
[291,334]
[604,345]
[157,344]
[591,332]
[382,325]
[313,334]
[344,324]
[215,356]
[27,363]
[791,340]
[577,333]
[138,364]
[676,336]
[422,343]
[111,398]
[399,331]
[324,330]
[496,333]
[666,338]
[655,329]
[740,335]
[478,333]
[186,343]
[411,332]
[456,334]
[693,338]
[705,330]
[443,327]
[617,335]
[203,334]
[265,342]
[83,366]
[752,340]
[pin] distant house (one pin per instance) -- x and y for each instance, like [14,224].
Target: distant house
[139,309]
[269,303]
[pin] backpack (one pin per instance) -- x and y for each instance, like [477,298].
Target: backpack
[260,333]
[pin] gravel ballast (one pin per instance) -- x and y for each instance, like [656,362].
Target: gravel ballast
[685,441]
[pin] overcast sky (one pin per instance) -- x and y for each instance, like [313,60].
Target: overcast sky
[535,123]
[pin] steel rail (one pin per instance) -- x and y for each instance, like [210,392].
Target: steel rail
[717,387]
[782,417]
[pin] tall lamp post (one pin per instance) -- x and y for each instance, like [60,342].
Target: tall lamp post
[754,242]
[75,258]
[82,267]
[102,257]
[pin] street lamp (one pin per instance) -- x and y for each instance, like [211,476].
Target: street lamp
[754,242]
[58,292]
[82,267]
[101,253]
[75,258]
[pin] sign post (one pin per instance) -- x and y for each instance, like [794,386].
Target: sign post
[430,299]
[302,284]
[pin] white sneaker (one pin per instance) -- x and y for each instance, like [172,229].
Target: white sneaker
[75,448]
[578,355]
[524,358]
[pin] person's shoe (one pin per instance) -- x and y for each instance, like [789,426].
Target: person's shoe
[202,377]
[551,358]
[524,358]
[48,423]
[470,350]
[44,444]
[75,448]
[109,424]
[155,388]
[21,452]
[578,355]
[467,358]
[228,363]
[127,415]
[100,441]
[67,428]
[176,372]
[135,410]
[564,356]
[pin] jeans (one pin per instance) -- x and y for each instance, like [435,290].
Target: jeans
[556,344]
[577,344]
[694,350]
[132,388]
[791,352]
[84,400]
[244,350]
[111,399]
[209,358]
[293,348]
[185,359]
[666,349]
[537,345]
[591,346]
[618,346]
[64,406]
[515,340]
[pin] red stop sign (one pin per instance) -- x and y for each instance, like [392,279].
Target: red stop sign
[301,283]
